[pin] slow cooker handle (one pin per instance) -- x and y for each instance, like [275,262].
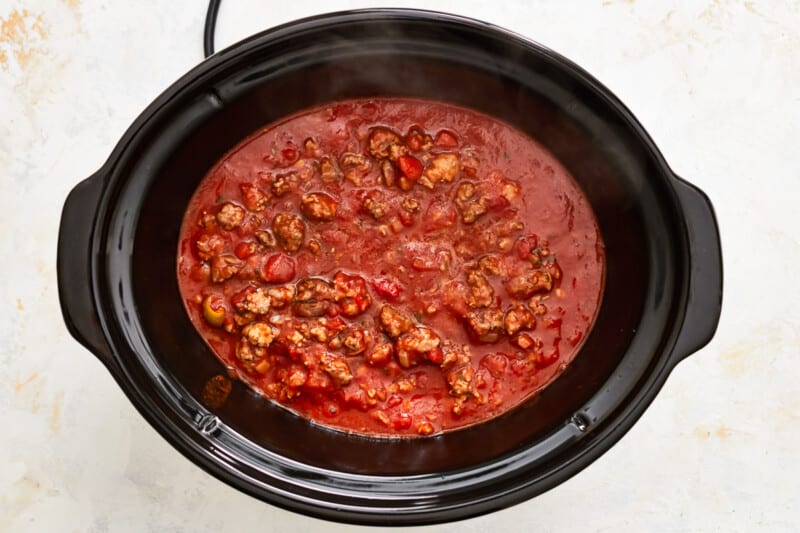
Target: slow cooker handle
[73,267]
[704,302]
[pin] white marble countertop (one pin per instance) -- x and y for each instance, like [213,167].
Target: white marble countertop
[717,85]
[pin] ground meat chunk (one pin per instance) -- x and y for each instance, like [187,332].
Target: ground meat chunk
[224,267]
[207,220]
[318,331]
[355,340]
[454,354]
[454,295]
[318,206]
[230,216]
[481,292]
[284,183]
[266,238]
[485,325]
[470,205]
[254,199]
[525,342]
[209,245]
[281,296]
[553,269]
[473,210]
[510,190]
[526,285]
[393,322]
[517,319]
[380,354]
[352,294]
[470,165]
[289,231]
[337,368]
[313,297]
[459,380]
[418,343]
[410,204]
[296,377]
[443,168]
[374,204]
[260,334]
[388,173]
[417,140]
[491,265]
[293,335]
[354,166]
[253,300]
[328,170]
[383,143]
[247,353]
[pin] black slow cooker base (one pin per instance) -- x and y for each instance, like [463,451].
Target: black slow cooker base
[119,295]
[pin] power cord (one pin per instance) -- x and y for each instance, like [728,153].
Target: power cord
[210,27]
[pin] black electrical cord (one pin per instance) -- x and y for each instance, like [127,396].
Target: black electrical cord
[210,27]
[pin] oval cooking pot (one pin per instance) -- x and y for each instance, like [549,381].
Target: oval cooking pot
[119,294]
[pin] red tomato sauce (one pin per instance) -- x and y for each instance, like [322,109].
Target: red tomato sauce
[391,267]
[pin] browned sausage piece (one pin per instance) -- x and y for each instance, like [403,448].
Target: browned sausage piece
[384,143]
[526,285]
[485,325]
[289,231]
[313,297]
[318,206]
[517,319]
[393,322]
[481,292]
[230,216]
[224,267]
[416,344]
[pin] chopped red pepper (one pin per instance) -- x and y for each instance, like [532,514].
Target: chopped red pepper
[410,167]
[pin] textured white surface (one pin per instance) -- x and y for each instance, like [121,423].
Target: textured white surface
[717,85]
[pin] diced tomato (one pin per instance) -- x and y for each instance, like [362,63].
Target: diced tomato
[319,381]
[401,421]
[440,215]
[289,155]
[388,288]
[279,268]
[356,397]
[414,139]
[446,139]
[496,363]
[525,245]
[245,249]
[200,272]
[410,167]
[406,218]
[394,400]
[496,202]
[436,356]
